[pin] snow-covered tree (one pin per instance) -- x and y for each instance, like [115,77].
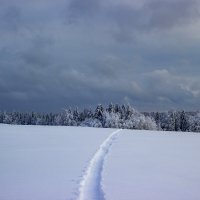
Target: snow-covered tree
[112,116]
[111,120]
[184,123]
[91,122]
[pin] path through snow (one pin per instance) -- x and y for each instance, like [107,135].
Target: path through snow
[90,186]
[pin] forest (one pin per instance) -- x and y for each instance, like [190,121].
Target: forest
[111,116]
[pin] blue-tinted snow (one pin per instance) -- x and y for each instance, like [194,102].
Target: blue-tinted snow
[148,165]
[91,184]
[45,162]
[48,163]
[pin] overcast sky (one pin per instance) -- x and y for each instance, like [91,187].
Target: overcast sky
[56,54]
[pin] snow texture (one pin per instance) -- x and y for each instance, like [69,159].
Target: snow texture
[90,186]
[45,162]
[153,165]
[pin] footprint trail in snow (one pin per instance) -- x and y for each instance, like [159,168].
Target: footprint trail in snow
[90,186]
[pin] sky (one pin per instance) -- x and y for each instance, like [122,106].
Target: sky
[68,53]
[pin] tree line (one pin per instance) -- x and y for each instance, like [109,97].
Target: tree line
[176,120]
[111,116]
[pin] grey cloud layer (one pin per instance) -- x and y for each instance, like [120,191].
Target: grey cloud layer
[127,19]
[76,52]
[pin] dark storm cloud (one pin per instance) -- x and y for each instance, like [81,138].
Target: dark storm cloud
[86,8]
[38,52]
[152,15]
[10,18]
[165,14]
[83,52]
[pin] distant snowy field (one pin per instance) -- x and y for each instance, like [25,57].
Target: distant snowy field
[65,163]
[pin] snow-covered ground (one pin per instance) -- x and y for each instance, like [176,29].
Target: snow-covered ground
[74,163]
[145,165]
[44,162]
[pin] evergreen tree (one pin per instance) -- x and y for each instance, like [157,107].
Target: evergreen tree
[99,113]
[184,124]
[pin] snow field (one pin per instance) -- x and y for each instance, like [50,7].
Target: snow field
[90,186]
[152,165]
[45,162]
[75,163]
